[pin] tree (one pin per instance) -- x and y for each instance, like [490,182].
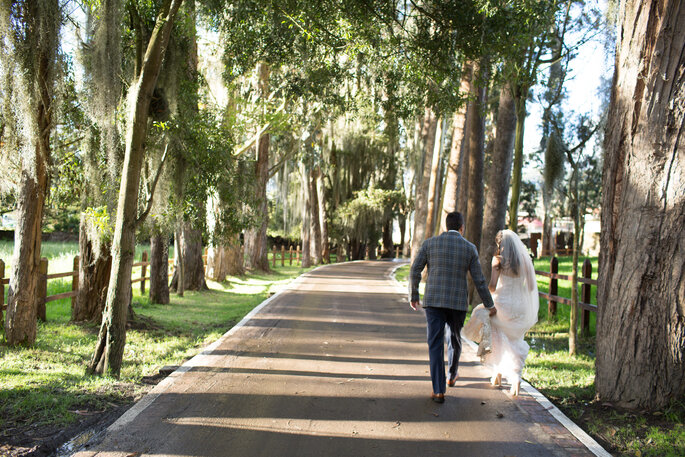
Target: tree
[456,157]
[578,162]
[423,186]
[528,54]
[640,296]
[256,249]
[497,177]
[100,55]
[30,31]
[476,151]
[109,348]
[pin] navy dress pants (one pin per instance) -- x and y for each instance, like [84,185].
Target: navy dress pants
[436,318]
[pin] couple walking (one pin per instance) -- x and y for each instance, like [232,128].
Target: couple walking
[513,305]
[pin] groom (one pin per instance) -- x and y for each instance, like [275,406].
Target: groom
[448,257]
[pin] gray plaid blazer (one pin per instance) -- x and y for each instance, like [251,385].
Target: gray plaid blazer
[448,257]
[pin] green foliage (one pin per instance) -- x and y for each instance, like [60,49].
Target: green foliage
[529,198]
[363,216]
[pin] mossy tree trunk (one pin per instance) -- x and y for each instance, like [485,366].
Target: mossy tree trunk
[34,52]
[323,218]
[95,267]
[109,349]
[190,273]
[306,217]
[159,269]
[256,249]
[315,219]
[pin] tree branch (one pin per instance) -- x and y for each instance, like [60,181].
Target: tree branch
[246,146]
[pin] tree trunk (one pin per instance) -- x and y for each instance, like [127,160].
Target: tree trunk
[433,195]
[159,269]
[95,266]
[476,152]
[41,35]
[387,250]
[520,95]
[497,178]
[193,269]
[641,291]
[573,317]
[22,302]
[315,221]
[547,234]
[217,263]
[421,206]
[323,218]
[463,179]
[109,350]
[306,218]
[234,252]
[178,279]
[256,249]
[454,164]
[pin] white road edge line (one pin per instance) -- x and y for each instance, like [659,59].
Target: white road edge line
[198,360]
[589,442]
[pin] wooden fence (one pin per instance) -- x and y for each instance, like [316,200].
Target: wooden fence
[585,298]
[44,298]
[295,254]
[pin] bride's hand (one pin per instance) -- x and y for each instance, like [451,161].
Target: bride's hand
[497,262]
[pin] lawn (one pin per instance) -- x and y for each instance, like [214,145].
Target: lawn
[44,388]
[569,382]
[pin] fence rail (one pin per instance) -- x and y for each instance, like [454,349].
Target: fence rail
[585,298]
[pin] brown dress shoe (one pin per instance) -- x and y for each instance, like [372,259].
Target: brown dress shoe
[438,398]
[452,382]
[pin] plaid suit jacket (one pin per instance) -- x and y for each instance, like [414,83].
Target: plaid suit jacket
[448,257]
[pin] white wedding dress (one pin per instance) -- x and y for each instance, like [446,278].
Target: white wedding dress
[517,308]
[502,346]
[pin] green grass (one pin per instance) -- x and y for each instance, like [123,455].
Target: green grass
[46,384]
[569,382]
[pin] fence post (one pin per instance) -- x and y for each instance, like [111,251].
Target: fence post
[273,255]
[586,296]
[74,280]
[553,286]
[2,292]
[143,270]
[42,288]
[283,255]
[290,255]
[298,255]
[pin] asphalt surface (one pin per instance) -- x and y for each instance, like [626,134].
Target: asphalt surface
[337,366]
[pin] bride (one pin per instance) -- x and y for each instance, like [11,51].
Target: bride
[515,293]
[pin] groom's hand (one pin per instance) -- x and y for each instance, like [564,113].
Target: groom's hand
[414,305]
[493,311]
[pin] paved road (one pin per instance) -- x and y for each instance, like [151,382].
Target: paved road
[335,366]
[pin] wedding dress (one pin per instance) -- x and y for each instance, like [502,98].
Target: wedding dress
[516,314]
[517,303]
